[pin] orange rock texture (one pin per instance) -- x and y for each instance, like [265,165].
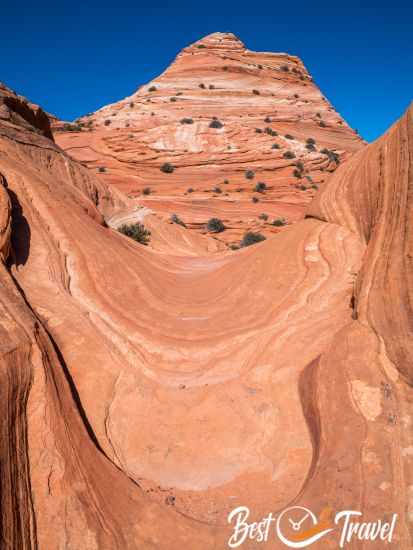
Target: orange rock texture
[146,391]
[225,119]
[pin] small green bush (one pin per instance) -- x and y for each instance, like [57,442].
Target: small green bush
[289,136]
[216,124]
[285,68]
[249,174]
[260,187]
[275,146]
[258,130]
[267,119]
[202,86]
[297,174]
[167,168]
[211,87]
[152,89]
[251,238]
[146,190]
[186,120]
[279,222]
[215,225]
[135,231]
[190,190]
[101,169]
[255,199]
[263,216]
[217,190]
[173,99]
[176,219]
[107,122]
[256,92]
[322,124]
[289,155]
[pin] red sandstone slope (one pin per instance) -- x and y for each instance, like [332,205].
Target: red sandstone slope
[145,393]
[253,95]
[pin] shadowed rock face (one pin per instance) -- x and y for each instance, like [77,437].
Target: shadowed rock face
[263,107]
[145,392]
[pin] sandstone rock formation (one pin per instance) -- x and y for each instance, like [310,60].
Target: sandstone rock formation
[263,107]
[147,391]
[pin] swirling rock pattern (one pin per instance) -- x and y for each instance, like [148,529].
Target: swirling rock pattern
[147,391]
[266,106]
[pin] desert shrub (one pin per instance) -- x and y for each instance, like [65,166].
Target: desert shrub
[299,165]
[260,67]
[310,147]
[279,222]
[255,199]
[107,122]
[190,190]
[288,136]
[334,157]
[226,182]
[289,155]
[152,89]
[297,174]
[251,238]
[263,216]
[72,127]
[256,92]
[249,174]
[211,87]
[131,104]
[275,146]
[173,99]
[202,86]
[314,186]
[146,190]
[186,120]
[322,124]
[258,130]
[135,231]
[176,219]
[167,168]
[225,67]
[260,187]
[234,246]
[201,46]
[216,124]
[215,225]
[311,140]
[217,190]
[296,96]
[285,68]
[303,188]
[101,169]
[267,120]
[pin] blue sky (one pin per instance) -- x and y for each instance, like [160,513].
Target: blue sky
[74,58]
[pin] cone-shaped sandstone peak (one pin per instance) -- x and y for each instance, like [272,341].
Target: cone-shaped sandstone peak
[217,113]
